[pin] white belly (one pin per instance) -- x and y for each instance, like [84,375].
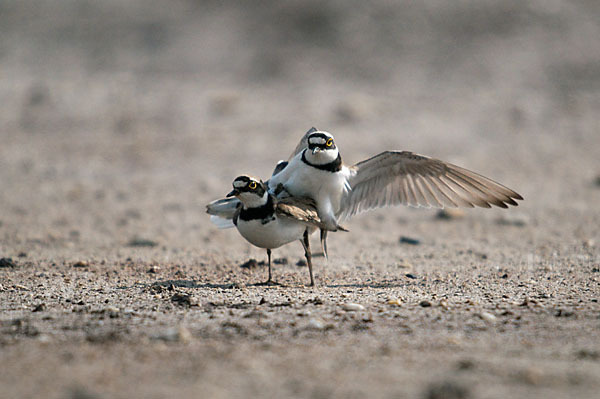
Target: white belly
[271,235]
[326,188]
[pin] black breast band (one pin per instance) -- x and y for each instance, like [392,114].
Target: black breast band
[334,166]
[261,213]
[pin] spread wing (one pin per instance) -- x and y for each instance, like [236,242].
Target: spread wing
[303,143]
[403,177]
[301,209]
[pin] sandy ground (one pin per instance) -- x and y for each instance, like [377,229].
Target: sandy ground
[120,121]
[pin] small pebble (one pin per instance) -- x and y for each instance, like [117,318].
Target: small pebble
[141,242]
[447,390]
[465,364]
[81,263]
[405,265]
[513,219]
[531,375]
[394,301]
[39,308]
[154,269]
[250,264]
[8,263]
[81,392]
[315,324]
[184,300]
[180,334]
[409,240]
[183,334]
[314,301]
[564,313]
[588,354]
[44,338]
[527,302]
[301,263]
[450,213]
[425,304]
[352,307]
[487,317]
[455,340]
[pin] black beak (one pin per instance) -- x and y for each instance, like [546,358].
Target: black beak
[233,193]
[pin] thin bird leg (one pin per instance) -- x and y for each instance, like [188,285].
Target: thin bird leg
[306,245]
[324,242]
[269,259]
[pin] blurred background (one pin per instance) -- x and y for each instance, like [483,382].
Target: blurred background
[121,118]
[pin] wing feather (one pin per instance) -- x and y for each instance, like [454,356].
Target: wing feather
[403,177]
[443,199]
[469,188]
[299,208]
[433,198]
[461,193]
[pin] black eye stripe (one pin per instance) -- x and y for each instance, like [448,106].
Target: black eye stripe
[242,183]
[319,135]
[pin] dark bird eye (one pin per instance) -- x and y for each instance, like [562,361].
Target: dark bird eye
[329,142]
[252,185]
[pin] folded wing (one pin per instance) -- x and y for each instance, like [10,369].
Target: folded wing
[406,178]
[300,209]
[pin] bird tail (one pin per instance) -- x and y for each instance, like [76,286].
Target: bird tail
[221,223]
[222,211]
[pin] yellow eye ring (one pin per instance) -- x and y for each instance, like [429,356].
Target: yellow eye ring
[252,185]
[329,142]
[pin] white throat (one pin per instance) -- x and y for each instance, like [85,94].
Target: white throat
[322,157]
[251,200]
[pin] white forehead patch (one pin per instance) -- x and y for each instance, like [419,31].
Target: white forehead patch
[239,184]
[316,140]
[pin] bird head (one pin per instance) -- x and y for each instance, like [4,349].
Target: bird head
[321,148]
[250,190]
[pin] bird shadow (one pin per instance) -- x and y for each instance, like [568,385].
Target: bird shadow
[195,284]
[369,285]
[191,284]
